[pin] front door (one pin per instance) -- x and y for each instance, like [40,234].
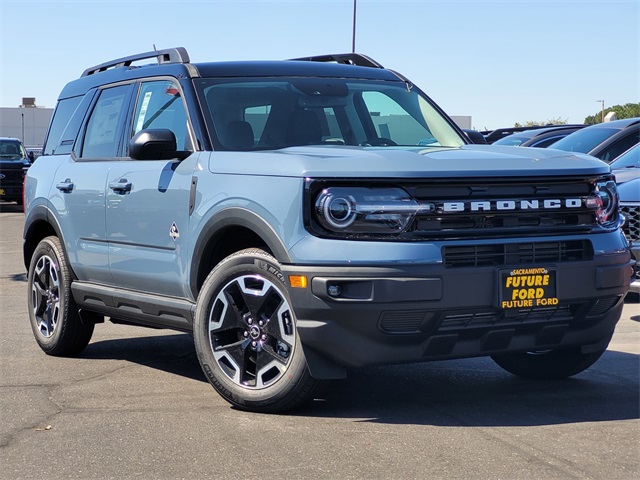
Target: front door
[148,200]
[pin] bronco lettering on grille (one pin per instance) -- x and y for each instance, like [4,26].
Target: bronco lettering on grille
[509,205]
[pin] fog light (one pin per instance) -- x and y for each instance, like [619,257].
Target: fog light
[334,291]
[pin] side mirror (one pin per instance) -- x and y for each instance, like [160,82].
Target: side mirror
[32,157]
[155,144]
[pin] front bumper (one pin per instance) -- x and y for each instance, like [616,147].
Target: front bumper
[357,316]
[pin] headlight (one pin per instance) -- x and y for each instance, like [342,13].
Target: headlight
[367,210]
[604,201]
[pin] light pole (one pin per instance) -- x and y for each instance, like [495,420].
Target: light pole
[602,102]
[353,34]
[22,114]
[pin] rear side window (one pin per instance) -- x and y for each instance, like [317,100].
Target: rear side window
[62,115]
[103,133]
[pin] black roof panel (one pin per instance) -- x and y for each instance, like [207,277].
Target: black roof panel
[291,68]
[277,68]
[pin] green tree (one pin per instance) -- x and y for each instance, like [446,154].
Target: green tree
[551,121]
[628,110]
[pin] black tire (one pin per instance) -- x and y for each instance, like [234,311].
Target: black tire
[245,335]
[53,313]
[549,364]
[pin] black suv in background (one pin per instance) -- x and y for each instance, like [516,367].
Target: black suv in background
[14,162]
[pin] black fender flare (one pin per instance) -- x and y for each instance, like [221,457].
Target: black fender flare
[235,217]
[37,214]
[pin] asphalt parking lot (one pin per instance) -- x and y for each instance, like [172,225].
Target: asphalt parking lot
[136,405]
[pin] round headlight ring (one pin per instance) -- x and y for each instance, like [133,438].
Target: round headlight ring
[339,211]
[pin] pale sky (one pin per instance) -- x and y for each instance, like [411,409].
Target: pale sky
[499,62]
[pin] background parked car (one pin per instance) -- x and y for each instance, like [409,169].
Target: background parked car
[475,136]
[14,161]
[626,168]
[538,137]
[492,136]
[605,141]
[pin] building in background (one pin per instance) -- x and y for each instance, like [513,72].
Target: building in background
[27,122]
[463,121]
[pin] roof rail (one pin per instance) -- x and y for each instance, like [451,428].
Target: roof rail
[346,58]
[168,55]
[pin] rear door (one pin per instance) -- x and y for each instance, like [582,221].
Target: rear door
[78,192]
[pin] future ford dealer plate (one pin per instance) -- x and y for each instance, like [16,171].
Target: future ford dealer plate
[527,288]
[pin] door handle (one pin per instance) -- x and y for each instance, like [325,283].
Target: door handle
[66,186]
[121,186]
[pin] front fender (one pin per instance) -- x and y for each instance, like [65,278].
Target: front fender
[234,217]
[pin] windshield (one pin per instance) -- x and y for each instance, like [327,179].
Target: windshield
[256,114]
[629,159]
[512,140]
[12,149]
[584,140]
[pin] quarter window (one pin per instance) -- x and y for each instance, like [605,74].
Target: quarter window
[61,117]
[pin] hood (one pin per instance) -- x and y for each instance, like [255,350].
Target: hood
[14,163]
[630,191]
[624,175]
[330,161]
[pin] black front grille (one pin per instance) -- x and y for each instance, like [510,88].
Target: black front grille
[502,221]
[462,320]
[631,226]
[404,321]
[602,306]
[516,253]
[503,207]
[12,176]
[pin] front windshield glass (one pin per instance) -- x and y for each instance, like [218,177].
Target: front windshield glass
[257,114]
[12,149]
[584,140]
[511,141]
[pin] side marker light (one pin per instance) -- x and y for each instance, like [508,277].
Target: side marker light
[298,281]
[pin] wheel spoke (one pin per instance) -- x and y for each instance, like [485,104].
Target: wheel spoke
[251,331]
[39,298]
[268,353]
[231,315]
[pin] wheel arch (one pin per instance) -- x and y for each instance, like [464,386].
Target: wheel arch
[39,224]
[231,230]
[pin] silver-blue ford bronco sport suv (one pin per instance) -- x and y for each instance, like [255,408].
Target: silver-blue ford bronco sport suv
[304,217]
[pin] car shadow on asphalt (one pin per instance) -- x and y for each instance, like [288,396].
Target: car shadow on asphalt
[173,353]
[468,392]
[476,392]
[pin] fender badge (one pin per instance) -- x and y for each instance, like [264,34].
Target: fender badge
[173,231]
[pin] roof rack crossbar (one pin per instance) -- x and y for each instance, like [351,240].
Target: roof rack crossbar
[346,58]
[168,55]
